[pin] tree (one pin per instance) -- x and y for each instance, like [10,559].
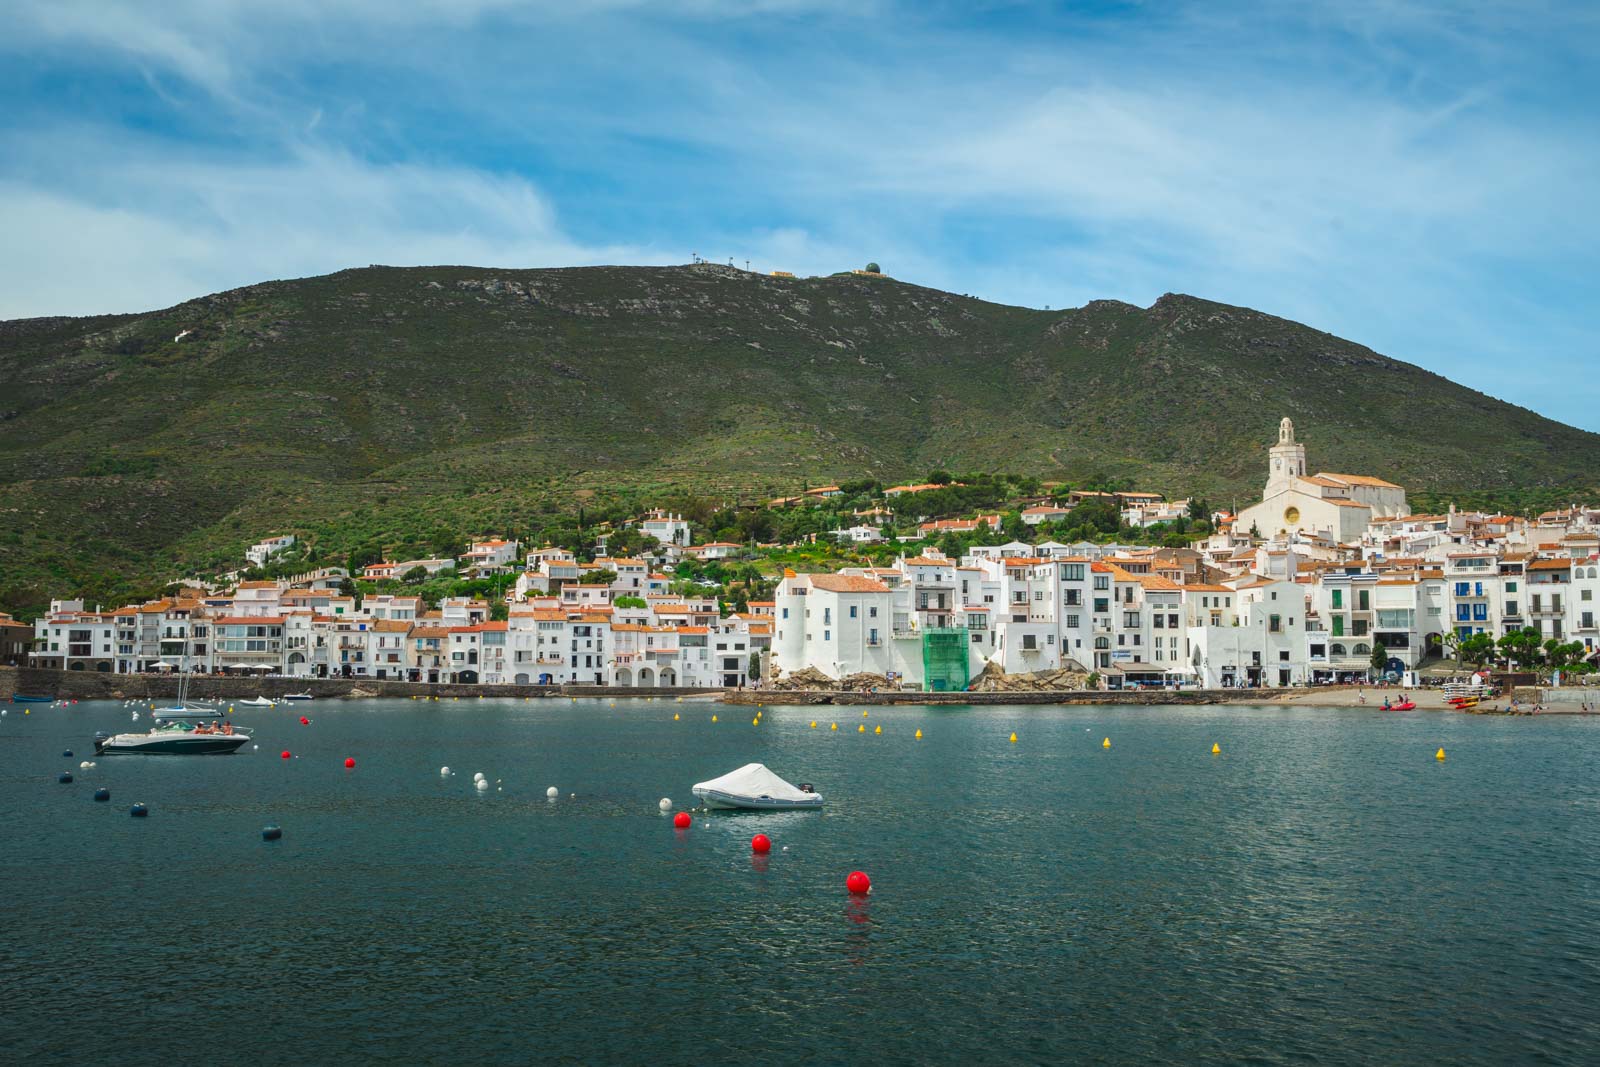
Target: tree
[363,555]
[939,478]
[1522,647]
[416,574]
[1198,510]
[629,602]
[1380,660]
[755,667]
[1477,649]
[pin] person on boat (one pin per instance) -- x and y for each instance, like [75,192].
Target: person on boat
[227,728]
[201,728]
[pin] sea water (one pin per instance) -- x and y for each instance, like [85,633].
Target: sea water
[1323,890]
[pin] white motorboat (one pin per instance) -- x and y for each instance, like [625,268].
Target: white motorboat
[297,696]
[754,788]
[173,740]
[257,702]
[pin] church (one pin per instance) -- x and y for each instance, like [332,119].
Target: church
[1337,506]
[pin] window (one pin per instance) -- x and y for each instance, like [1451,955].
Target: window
[1274,624]
[1338,598]
[1463,588]
[852,611]
[827,635]
[1172,620]
[1477,588]
[1101,605]
[1102,581]
[1363,600]
[872,613]
[1072,622]
[827,616]
[1511,587]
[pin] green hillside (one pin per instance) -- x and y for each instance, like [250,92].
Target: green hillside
[371,403]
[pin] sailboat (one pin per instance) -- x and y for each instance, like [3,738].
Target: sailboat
[183,709]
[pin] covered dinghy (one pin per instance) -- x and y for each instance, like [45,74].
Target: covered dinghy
[753,786]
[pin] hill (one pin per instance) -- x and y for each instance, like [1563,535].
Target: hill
[361,404]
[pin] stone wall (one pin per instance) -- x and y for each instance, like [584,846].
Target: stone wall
[85,685]
[803,697]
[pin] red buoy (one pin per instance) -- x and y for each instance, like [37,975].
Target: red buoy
[349,763]
[304,721]
[285,753]
[761,843]
[858,882]
[682,820]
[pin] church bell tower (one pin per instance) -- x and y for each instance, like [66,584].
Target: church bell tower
[1287,459]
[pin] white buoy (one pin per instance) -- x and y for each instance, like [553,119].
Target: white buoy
[552,792]
[256,747]
[665,804]
[84,765]
[483,785]
[444,772]
[478,777]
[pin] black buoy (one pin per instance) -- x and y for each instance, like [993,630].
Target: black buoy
[102,793]
[67,754]
[271,833]
[138,811]
[64,779]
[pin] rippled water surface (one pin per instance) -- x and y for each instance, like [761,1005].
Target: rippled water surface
[1323,891]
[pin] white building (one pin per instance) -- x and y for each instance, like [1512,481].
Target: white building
[1336,506]
[263,550]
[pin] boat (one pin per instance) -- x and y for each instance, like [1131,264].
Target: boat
[1404,705]
[174,739]
[20,699]
[754,788]
[296,696]
[184,709]
[257,702]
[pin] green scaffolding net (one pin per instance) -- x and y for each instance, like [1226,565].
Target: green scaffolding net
[944,660]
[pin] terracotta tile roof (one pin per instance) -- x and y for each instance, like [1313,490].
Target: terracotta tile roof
[1359,479]
[251,620]
[846,583]
[1550,565]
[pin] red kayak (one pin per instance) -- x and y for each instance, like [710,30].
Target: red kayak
[1407,705]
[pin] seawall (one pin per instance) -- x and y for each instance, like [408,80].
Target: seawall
[83,685]
[807,697]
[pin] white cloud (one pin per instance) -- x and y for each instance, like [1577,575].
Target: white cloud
[162,229]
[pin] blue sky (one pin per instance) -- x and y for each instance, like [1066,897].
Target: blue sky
[1417,176]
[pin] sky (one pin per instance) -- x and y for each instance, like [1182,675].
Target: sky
[1415,175]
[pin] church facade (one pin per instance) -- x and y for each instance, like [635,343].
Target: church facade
[1336,506]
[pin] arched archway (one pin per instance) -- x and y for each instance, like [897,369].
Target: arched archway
[647,677]
[467,677]
[75,667]
[521,679]
[1336,650]
[624,676]
[669,676]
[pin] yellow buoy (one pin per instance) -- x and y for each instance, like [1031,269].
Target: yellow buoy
[861,729]
[879,730]
[919,735]
[674,716]
[713,718]
[755,722]
[1013,738]
[1216,749]
[1439,754]
[863,714]
[1106,743]
[813,724]
[835,726]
